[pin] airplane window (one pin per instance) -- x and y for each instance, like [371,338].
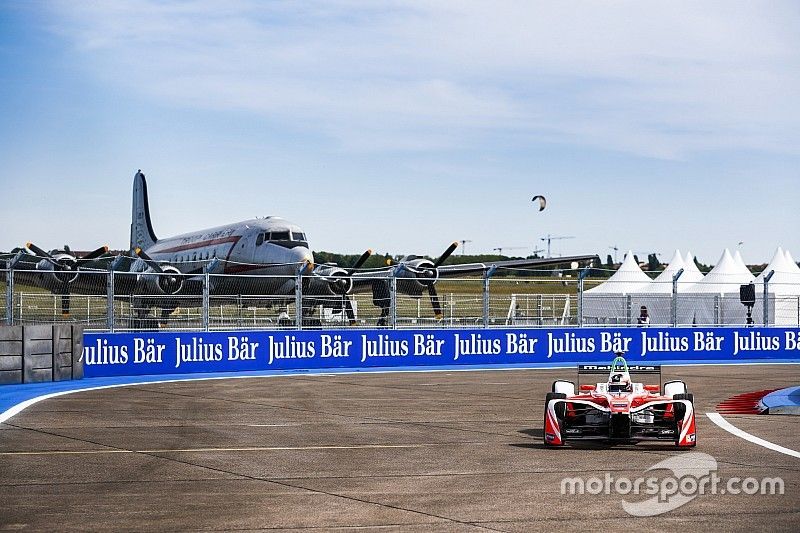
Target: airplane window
[260,239]
[194,256]
[279,236]
[298,236]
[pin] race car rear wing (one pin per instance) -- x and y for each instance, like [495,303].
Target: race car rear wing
[605,370]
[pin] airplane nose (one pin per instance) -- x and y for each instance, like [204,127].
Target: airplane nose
[302,254]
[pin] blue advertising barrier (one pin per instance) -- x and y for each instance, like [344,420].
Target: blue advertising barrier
[147,353]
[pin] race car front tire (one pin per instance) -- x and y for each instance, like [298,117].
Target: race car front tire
[679,407]
[560,410]
[680,411]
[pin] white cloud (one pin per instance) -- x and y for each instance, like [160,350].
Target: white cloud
[663,79]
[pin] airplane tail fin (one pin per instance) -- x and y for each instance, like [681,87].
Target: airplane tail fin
[142,235]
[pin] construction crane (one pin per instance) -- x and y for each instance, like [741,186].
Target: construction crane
[554,238]
[500,249]
[616,249]
[463,242]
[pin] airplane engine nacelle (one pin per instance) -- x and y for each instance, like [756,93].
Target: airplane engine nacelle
[329,280]
[416,276]
[55,276]
[169,281]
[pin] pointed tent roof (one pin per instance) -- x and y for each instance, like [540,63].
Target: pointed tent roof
[629,278]
[724,278]
[663,282]
[786,279]
[737,256]
[691,273]
[790,259]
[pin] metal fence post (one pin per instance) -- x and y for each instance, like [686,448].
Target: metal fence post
[628,308]
[581,276]
[10,295]
[10,288]
[488,274]
[766,297]
[298,297]
[673,311]
[206,298]
[717,310]
[393,301]
[110,298]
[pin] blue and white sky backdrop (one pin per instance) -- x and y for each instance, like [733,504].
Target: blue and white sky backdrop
[405,125]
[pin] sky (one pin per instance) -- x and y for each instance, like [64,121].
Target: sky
[402,126]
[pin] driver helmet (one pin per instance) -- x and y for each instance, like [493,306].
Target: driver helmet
[619,383]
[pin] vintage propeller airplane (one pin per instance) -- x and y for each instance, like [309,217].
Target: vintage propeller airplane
[270,251]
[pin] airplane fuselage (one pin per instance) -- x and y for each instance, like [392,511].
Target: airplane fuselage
[261,246]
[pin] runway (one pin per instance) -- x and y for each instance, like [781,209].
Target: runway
[422,451]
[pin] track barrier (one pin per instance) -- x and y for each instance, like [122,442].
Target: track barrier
[145,353]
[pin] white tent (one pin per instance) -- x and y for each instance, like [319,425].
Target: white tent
[663,282]
[657,296]
[790,259]
[725,278]
[738,258]
[691,273]
[703,300]
[715,298]
[609,302]
[628,279]
[785,277]
[783,287]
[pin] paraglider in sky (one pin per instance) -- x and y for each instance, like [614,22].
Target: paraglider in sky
[542,201]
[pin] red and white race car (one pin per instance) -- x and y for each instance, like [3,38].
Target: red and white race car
[619,410]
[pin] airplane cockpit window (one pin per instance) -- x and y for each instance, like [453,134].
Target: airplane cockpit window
[260,239]
[279,236]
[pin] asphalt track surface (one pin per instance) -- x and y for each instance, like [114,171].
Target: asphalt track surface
[421,451]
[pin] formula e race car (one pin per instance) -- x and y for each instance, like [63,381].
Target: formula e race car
[619,410]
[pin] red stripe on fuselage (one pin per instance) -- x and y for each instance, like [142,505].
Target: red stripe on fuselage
[240,268]
[202,244]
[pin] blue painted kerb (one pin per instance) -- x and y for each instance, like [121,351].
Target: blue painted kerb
[783,401]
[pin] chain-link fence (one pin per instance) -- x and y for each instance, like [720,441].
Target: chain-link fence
[128,301]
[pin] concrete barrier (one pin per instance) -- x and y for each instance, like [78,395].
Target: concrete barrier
[41,352]
[10,354]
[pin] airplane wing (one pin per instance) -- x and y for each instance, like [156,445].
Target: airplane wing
[470,268]
[417,275]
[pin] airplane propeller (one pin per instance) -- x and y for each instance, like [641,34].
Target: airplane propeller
[415,274]
[64,267]
[430,277]
[348,303]
[168,280]
[330,279]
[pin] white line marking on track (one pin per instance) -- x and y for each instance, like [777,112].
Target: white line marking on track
[244,449]
[16,409]
[730,428]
